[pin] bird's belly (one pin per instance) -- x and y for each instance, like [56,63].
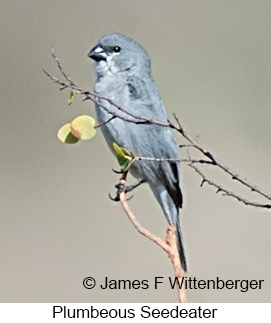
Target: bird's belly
[126,135]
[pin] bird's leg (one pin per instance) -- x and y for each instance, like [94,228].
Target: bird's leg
[122,187]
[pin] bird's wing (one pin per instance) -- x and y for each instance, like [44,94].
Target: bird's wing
[156,140]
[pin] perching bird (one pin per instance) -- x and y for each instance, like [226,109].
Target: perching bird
[123,70]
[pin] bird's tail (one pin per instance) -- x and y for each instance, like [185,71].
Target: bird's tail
[171,212]
[180,246]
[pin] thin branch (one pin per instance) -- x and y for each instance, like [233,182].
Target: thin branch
[57,81]
[227,192]
[128,113]
[92,96]
[61,68]
[171,160]
[234,175]
[170,246]
[105,122]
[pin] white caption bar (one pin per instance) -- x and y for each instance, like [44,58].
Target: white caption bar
[98,312]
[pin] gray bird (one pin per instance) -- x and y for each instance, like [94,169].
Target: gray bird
[123,70]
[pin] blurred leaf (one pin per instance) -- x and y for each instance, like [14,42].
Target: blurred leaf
[64,134]
[83,127]
[71,97]
[125,157]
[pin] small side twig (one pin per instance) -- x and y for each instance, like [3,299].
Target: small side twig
[61,68]
[99,125]
[226,192]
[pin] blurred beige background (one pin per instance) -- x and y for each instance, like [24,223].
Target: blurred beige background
[212,63]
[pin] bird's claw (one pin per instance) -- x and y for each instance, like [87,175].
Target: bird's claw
[115,199]
[120,189]
[117,171]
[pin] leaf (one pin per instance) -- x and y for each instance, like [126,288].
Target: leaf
[125,157]
[83,127]
[65,135]
[71,97]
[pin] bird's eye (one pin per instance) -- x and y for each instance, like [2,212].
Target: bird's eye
[116,49]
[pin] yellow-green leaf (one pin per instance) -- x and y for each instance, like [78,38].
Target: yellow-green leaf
[125,157]
[65,135]
[83,127]
[71,97]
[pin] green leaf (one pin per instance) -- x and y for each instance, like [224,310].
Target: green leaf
[71,97]
[125,157]
[83,127]
[65,135]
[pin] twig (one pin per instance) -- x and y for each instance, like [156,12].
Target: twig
[61,69]
[170,246]
[218,163]
[171,160]
[91,96]
[227,192]
[105,122]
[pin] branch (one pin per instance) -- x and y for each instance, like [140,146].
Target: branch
[227,192]
[61,69]
[137,119]
[215,161]
[170,246]
[99,125]
[183,160]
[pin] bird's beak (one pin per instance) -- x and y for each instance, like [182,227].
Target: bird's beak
[98,54]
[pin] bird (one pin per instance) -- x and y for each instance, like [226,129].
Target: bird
[123,75]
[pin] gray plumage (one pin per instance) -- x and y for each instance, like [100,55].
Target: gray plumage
[123,70]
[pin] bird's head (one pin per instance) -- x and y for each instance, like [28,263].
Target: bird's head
[116,53]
